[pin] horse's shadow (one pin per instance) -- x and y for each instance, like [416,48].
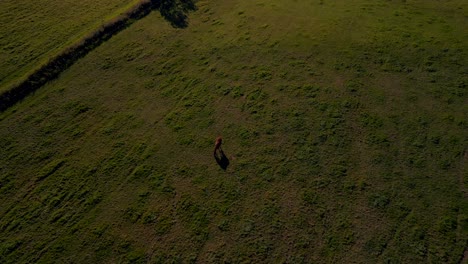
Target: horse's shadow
[221,159]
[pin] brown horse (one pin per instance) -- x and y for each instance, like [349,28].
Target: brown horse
[218,142]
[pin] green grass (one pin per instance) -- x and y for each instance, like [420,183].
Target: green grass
[345,124]
[34,31]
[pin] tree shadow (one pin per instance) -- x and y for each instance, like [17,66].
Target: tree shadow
[221,159]
[175,11]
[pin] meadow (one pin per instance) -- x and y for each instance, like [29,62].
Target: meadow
[32,32]
[345,123]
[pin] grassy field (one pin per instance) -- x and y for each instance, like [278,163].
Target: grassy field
[31,32]
[345,123]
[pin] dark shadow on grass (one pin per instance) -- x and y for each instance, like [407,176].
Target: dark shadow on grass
[175,11]
[221,159]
